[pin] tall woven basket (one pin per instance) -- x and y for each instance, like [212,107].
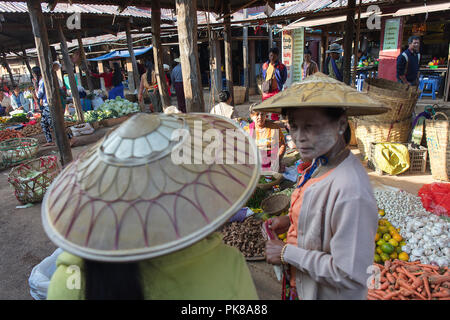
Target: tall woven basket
[399,97]
[17,150]
[377,131]
[438,142]
[31,179]
[239,94]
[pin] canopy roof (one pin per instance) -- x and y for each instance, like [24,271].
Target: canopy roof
[117,54]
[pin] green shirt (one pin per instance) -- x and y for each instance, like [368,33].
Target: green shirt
[207,270]
[339,64]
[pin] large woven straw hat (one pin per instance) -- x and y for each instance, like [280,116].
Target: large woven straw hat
[322,91]
[127,199]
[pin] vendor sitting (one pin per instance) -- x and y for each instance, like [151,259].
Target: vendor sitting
[18,101]
[269,139]
[224,108]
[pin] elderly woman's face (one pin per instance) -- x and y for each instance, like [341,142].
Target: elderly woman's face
[313,132]
[259,118]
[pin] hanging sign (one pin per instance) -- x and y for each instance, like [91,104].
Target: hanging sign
[287,46]
[297,60]
[391,32]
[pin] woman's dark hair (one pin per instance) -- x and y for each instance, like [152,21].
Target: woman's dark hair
[274,50]
[117,75]
[224,95]
[112,281]
[333,114]
[307,51]
[149,69]
[37,71]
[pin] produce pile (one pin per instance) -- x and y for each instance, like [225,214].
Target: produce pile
[388,242]
[426,235]
[245,236]
[265,179]
[401,280]
[111,109]
[9,134]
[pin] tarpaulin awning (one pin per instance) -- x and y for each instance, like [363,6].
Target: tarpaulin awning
[117,54]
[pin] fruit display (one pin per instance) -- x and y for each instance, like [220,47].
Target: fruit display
[245,236]
[388,242]
[426,235]
[401,280]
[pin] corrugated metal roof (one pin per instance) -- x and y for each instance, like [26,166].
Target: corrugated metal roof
[21,7]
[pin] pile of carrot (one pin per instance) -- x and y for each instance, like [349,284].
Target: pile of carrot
[9,134]
[401,280]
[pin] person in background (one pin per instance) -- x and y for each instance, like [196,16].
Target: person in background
[18,100]
[107,76]
[269,139]
[117,85]
[177,82]
[167,76]
[149,83]
[5,104]
[224,108]
[309,67]
[360,57]
[408,63]
[275,75]
[334,64]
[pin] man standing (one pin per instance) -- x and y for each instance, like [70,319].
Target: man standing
[335,62]
[309,67]
[408,63]
[177,81]
[274,75]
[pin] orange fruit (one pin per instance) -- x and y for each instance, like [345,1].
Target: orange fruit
[393,255]
[377,236]
[386,237]
[403,256]
[397,237]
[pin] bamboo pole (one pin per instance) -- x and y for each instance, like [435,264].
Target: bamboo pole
[84,65]
[356,45]
[228,53]
[69,69]
[348,39]
[132,56]
[50,81]
[245,57]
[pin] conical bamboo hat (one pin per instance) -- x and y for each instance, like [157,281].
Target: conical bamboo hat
[322,91]
[127,199]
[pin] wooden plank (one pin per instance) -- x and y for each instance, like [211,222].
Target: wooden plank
[134,65]
[348,40]
[84,64]
[187,37]
[245,57]
[158,53]
[68,66]
[50,81]
[356,45]
[228,54]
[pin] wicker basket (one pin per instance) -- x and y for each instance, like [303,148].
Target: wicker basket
[275,204]
[278,178]
[417,159]
[131,97]
[438,142]
[31,179]
[113,121]
[399,97]
[239,95]
[377,131]
[17,150]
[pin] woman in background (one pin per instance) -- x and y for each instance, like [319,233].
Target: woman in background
[149,83]
[117,78]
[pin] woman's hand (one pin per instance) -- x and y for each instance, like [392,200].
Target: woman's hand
[273,251]
[279,225]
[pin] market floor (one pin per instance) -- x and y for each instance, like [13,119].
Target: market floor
[24,243]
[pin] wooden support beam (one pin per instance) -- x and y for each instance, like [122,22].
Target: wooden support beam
[252,71]
[324,40]
[245,57]
[27,63]
[50,80]
[356,46]
[68,66]
[216,67]
[187,35]
[228,54]
[84,64]
[270,37]
[134,65]
[348,40]
[8,68]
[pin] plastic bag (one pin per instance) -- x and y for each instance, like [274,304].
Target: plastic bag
[41,274]
[392,158]
[82,129]
[436,198]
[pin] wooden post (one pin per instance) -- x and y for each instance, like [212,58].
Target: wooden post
[84,64]
[447,79]
[187,37]
[69,69]
[135,77]
[324,41]
[252,73]
[157,53]
[228,54]
[27,63]
[245,57]
[50,81]
[270,37]
[6,66]
[348,39]
[100,71]
[356,45]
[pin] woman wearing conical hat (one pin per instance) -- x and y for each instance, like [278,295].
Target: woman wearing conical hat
[136,213]
[333,216]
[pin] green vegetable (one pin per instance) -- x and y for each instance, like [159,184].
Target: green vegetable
[257,197]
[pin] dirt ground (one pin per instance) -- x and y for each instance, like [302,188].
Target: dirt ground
[24,244]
